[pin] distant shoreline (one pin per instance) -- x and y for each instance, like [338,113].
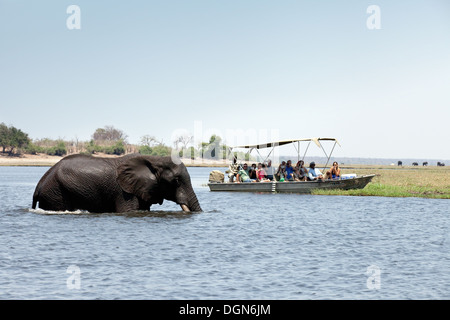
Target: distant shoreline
[43,160]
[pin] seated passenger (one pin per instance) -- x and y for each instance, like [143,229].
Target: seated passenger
[300,172]
[252,172]
[246,169]
[289,171]
[281,171]
[334,172]
[269,170]
[242,176]
[261,173]
[313,173]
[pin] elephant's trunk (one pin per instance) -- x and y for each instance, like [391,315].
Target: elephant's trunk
[187,199]
[192,203]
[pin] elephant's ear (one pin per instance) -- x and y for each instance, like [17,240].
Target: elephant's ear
[139,177]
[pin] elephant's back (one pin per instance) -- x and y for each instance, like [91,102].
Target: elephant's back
[79,167]
[89,182]
[92,173]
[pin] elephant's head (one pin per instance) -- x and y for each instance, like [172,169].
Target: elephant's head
[154,179]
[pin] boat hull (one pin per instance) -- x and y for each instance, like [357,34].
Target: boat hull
[293,186]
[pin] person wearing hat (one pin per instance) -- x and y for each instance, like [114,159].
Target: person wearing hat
[313,173]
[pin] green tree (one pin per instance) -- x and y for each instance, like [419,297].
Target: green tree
[161,150]
[192,153]
[215,139]
[145,150]
[31,148]
[92,147]
[12,138]
[214,148]
[188,153]
[58,150]
[117,149]
[4,136]
[158,150]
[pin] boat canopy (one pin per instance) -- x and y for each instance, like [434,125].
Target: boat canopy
[283,142]
[294,142]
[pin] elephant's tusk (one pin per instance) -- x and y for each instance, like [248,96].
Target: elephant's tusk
[185,208]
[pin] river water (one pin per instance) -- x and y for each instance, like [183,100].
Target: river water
[243,246]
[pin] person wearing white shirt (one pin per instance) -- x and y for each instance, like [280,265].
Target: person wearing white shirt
[313,173]
[270,171]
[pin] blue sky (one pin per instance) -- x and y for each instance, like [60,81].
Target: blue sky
[280,69]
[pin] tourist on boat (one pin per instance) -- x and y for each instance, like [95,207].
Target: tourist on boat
[269,170]
[289,171]
[246,169]
[334,172]
[313,173]
[252,172]
[281,171]
[261,173]
[234,168]
[300,172]
[242,176]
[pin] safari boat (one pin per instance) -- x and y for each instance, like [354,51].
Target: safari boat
[345,182]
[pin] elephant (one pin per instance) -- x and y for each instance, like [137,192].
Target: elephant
[128,183]
[399,163]
[415,164]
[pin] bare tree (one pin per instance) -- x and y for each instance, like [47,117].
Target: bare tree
[184,139]
[77,144]
[149,141]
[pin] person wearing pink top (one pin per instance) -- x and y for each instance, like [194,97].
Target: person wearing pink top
[261,173]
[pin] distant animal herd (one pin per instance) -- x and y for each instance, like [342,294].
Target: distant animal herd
[439,164]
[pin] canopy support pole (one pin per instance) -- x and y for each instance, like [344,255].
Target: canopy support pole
[248,154]
[304,155]
[260,156]
[297,149]
[269,153]
[328,156]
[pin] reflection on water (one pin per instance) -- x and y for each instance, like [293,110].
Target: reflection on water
[243,246]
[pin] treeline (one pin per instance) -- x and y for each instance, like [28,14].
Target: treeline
[12,139]
[109,140]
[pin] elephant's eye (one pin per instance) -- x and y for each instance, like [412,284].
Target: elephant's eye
[177,182]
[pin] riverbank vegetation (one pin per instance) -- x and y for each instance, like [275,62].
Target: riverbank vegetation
[111,141]
[425,182]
